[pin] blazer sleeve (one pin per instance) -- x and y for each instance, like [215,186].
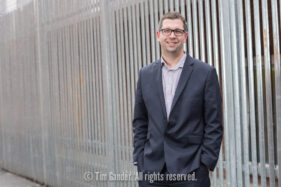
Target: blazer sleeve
[213,130]
[140,122]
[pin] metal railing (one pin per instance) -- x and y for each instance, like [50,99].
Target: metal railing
[68,72]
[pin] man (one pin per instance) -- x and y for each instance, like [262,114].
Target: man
[177,116]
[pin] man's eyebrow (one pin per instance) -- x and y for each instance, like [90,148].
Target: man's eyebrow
[174,29]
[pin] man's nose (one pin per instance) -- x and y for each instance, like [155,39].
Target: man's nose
[172,34]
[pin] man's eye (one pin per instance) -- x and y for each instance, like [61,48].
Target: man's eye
[178,31]
[166,30]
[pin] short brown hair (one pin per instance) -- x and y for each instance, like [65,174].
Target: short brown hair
[172,15]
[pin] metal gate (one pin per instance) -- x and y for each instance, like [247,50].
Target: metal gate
[68,72]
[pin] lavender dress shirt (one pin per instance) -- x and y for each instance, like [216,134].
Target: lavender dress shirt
[170,79]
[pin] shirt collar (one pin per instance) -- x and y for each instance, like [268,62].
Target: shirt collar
[180,64]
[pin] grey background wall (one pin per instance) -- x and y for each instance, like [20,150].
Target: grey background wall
[68,72]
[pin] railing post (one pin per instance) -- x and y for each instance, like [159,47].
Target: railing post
[106,17]
[227,87]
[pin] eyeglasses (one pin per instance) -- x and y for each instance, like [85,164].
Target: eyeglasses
[168,32]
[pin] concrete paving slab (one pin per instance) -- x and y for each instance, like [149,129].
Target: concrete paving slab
[8,179]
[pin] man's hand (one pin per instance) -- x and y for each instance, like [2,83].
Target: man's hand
[206,166]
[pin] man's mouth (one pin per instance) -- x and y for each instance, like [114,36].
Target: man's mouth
[172,43]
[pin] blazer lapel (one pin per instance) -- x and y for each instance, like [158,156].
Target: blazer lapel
[160,87]
[185,74]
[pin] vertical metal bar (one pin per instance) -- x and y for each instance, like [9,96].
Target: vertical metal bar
[83,81]
[59,120]
[115,95]
[85,103]
[156,19]
[131,90]
[268,89]
[138,48]
[152,31]
[127,83]
[87,87]
[68,129]
[182,8]
[189,27]
[215,36]
[61,72]
[195,30]
[225,49]
[67,141]
[138,39]
[122,83]
[177,6]
[208,33]
[48,106]
[63,112]
[51,139]
[171,5]
[101,59]
[95,140]
[100,137]
[57,105]
[91,103]
[72,115]
[33,94]
[79,122]
[143,33]
[3,68]
[166,6]
[72,91]
[276,62]
[2,58]
[106,70]
[114,80]
[250,62]
[147,33]
[161,11]
[236,89]
[119,86]
[259,92]
[54,102]
[244,106]
[96,99]
[95,95]
[136,55]
[201,31]
[62,102]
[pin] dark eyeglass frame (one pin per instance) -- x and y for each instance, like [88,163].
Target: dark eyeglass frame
[168,32]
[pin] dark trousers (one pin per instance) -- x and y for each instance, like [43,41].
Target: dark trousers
[197,178]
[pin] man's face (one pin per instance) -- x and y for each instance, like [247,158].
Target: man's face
[171,43]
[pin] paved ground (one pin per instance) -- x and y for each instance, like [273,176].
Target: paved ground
[10,180]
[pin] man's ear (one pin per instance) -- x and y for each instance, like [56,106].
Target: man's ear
[186,35]
[158,35]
